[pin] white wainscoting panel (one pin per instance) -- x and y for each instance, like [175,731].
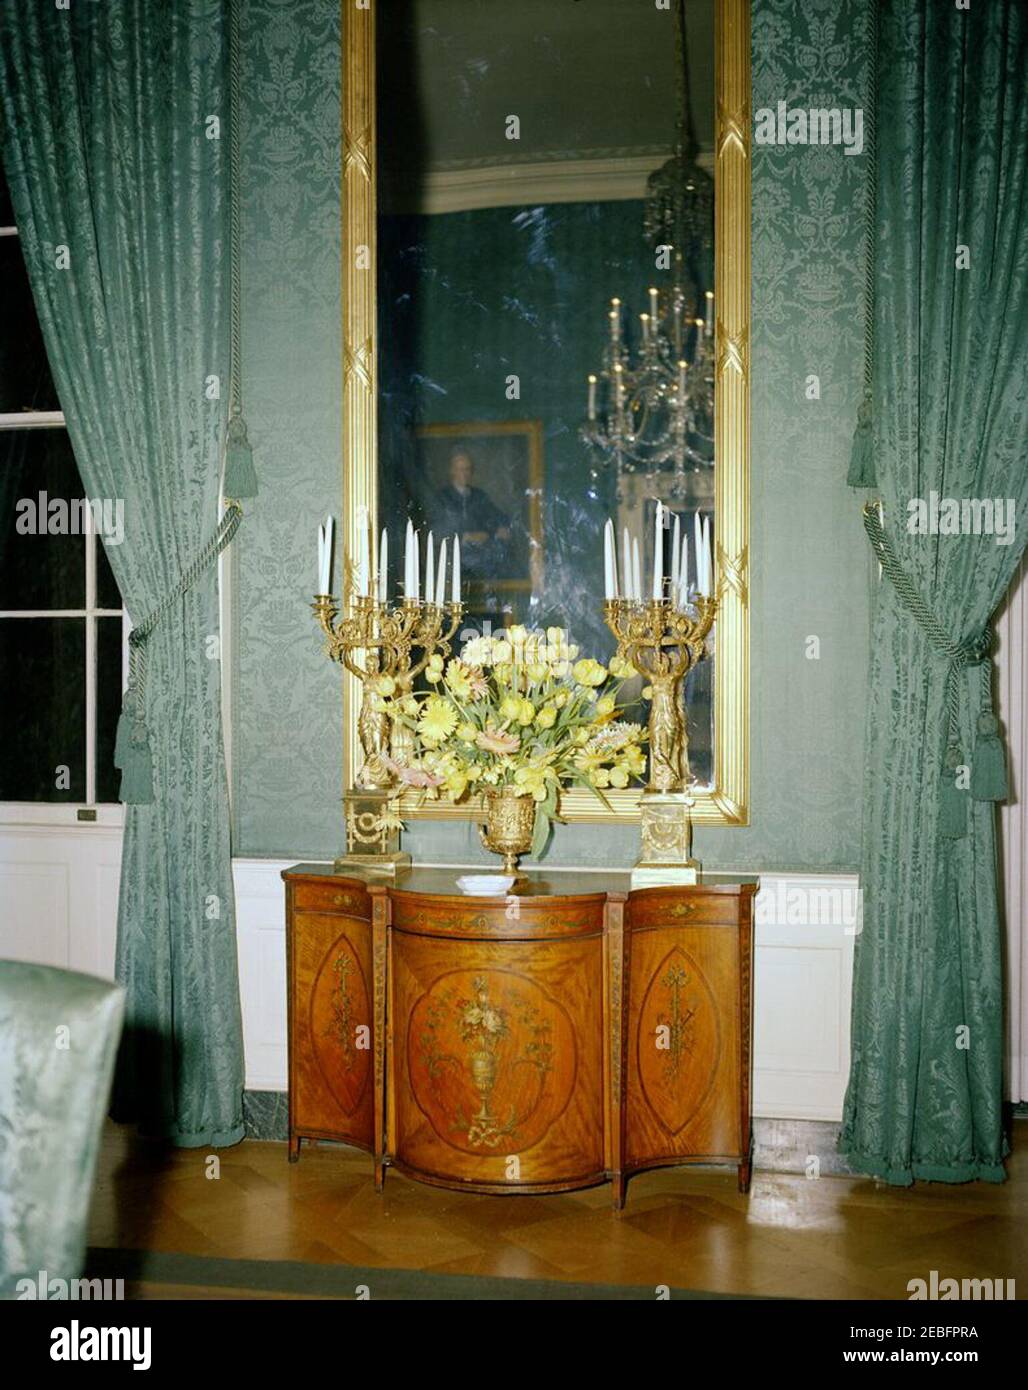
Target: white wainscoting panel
[59,895]
[261,943]
[806,926]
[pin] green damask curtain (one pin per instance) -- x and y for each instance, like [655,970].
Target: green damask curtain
[114,145]
[950,417]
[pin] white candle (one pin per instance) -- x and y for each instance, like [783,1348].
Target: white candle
[455,590]
[658,553]
[683,367]
[329,538]
[383,566]
[415,565]
[430,570]
[710,313]
[440,591]
[653,304]
[363,549]
[626,563]
[408,540]
[592,397]
[609,563]
[683,573]
[675,557]
[637,587]
[708,565]
[697,548]
[321,561]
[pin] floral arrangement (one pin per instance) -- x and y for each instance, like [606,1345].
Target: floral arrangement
[522,711]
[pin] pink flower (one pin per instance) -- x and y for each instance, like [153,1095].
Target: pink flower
[498,741]
[418,777]
[411,776]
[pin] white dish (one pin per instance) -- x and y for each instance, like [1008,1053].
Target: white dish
[486,885]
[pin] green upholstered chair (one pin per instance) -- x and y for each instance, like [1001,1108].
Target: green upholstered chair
[58,1038]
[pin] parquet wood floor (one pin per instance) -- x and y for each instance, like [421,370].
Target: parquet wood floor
[687,1228]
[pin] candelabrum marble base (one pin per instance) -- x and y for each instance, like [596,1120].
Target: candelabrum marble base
[666,841]
[372,832]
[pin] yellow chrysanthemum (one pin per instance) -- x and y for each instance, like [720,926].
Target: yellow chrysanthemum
[437,721]
[526,712]
[467,732]
[458,678]
[547,717]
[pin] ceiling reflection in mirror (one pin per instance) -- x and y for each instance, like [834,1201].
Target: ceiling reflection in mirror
[545,307]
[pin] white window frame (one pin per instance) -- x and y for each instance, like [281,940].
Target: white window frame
[51,812]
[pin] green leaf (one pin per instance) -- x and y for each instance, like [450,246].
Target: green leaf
[540,832]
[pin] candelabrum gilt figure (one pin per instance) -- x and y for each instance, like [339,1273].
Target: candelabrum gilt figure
[663,643]
[376,643]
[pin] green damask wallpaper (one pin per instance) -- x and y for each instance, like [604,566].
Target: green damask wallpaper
[809,562]
[286,757]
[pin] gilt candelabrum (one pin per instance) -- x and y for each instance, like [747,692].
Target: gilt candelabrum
[374,640]
[664,642]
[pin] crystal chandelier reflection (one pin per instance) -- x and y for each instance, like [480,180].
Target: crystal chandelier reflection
[651,405]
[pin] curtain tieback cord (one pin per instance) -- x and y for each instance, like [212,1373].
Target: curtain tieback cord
[988,780]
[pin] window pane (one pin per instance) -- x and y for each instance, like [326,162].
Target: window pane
[25,380]
[108,705]
[40,568]
[42,675]
[107,595]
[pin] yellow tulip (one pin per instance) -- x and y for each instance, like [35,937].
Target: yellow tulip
[588,671]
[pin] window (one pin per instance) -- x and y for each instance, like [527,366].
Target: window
[62,622]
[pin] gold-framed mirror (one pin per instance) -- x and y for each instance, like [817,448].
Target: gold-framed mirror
[428,162]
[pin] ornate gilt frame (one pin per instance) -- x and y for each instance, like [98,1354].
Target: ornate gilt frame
[727,801]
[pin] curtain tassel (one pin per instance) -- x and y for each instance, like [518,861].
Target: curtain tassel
[132,755]
[952,799]
[989,767]
[240,474]
[862,462]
